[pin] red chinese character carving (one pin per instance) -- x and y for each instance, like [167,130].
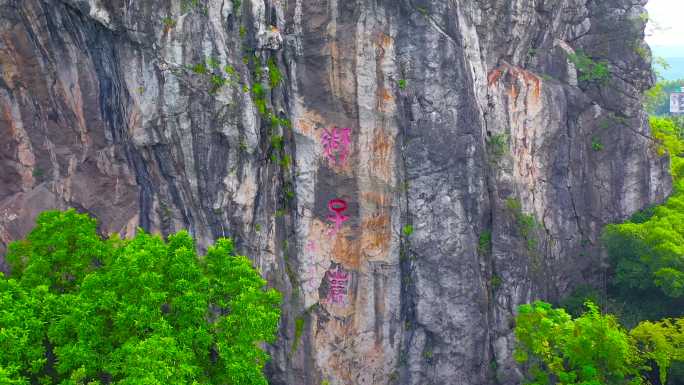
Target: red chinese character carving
[337,290]
[345,142]
[331,141]
[336,143]
[338,206]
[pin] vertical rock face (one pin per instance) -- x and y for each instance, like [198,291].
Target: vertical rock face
[406,172]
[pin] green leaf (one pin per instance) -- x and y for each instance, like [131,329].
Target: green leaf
[137,311]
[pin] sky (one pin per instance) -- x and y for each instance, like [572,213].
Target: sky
[665,35]
[667,26]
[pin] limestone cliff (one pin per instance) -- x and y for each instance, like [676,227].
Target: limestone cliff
[406,171]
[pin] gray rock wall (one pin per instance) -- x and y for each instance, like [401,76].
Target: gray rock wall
[366,183]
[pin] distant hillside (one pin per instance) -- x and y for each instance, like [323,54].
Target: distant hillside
[675,57]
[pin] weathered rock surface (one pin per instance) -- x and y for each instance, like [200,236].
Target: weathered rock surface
[464,118]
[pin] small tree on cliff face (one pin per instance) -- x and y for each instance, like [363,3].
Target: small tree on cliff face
[83,310]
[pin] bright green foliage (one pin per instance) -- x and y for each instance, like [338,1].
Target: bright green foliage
[212,71]
[495,282]
[589,69]
[139,311]
[212,62]
[200,68]
[59,252]
[648,254]
[407,230]
[260,98]
[274,75]
[277,142]
[299,330]
[661,342]
[590,350]
[526,223]
[187,5]
[484,243]
[169,22]
[21,331]
[285,161]
[670,134]
[217,81]
[498,145]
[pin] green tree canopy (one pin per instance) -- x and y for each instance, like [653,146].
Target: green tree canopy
[592,349]
[661,342]
[79,309]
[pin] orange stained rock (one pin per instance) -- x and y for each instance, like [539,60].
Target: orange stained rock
[376,234]
[385,40]
[384,100]
[494,76]
[378,199]
[531,78]
[513,92]
[304,126]
[334,70]
[385,95]
[307,122]
[345,249]
[381,160]
[531,81]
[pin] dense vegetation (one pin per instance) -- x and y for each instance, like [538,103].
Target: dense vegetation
[591,349]
[647,250]
[594,349]
[82,310]
[647,284]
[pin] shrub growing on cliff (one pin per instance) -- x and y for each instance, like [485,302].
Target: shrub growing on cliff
[83,310]
[498,145]
[589,69]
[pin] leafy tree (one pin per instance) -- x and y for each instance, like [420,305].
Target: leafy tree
[592,349]
[647,252]
[83,310]
[661,342]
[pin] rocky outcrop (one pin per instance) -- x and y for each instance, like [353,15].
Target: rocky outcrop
[407,172]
